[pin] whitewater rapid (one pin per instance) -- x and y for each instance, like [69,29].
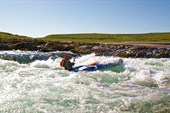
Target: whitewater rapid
[140,85]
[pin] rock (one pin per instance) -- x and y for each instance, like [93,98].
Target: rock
[119,50]
[96,48]
[25,46]
[121,47]
[4,46]
[140,54]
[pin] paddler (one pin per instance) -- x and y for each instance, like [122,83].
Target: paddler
[66,63]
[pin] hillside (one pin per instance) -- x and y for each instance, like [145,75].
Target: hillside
[93,38]
[4,35]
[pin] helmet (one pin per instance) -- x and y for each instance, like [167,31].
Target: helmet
[67,57]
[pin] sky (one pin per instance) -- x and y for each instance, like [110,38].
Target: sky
[39,18]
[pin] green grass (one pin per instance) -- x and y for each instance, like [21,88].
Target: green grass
[105,38]
[11,38]
[96,38]
[8,36]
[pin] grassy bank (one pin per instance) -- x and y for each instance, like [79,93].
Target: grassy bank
[92,38]
[96,38]
[8,36]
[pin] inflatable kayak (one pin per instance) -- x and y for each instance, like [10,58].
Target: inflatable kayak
[95,67]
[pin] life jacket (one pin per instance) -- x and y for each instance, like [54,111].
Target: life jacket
[62,63]
[66,64]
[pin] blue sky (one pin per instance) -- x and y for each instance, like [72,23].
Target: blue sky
[38,18]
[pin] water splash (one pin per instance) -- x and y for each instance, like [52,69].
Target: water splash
[43,86]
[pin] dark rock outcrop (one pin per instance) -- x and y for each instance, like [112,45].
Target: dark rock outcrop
[120,50]
[4,46]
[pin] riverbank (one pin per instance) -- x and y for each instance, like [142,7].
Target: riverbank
[125,49]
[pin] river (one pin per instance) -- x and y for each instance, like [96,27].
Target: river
[35,83]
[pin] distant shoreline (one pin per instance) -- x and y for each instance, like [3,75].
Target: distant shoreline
[100,44]
[126,49]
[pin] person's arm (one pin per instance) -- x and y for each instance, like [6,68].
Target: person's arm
[91,64]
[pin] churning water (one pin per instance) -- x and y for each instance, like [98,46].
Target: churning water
[139,85]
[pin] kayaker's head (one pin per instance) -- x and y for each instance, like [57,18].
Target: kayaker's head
[67,57]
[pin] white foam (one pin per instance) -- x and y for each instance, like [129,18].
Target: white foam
[43,86]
